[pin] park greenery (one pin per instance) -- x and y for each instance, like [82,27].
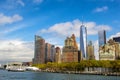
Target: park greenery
[80,66]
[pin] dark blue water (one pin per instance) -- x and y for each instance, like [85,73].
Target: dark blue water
[5,75]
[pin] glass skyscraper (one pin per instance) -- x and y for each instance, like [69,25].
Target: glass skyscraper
[39,55]
[83,41]
[102,37]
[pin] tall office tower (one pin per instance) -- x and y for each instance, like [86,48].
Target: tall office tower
[102,37]
[83,41]
[39,55]
[70,50]
[116,39]
[48,53]
[90,51]
[58,55]
[53,53]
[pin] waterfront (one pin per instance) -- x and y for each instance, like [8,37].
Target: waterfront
[5,75]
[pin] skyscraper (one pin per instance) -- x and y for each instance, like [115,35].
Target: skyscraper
[102,37]
[90,51]
[53,53]
[39,55]
[83,41]
[58,55]
[49,53]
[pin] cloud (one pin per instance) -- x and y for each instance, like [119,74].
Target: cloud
[9,19]
[116,35]
[6,23]
[67,28]
[101,9]
[21,2]
[12,4]
[37,1]
[9,29]
[16,50]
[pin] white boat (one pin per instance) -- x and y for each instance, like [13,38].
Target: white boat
[17,70]
[15,67]
[32,69]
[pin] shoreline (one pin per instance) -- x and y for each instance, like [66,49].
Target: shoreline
[80,72]
[86,73]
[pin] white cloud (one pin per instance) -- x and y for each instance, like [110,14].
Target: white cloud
[6,23]
[16,50]
[67,28]
[9,29]
[12,4]
[116,35]
[101,9]
[9,19]
[21,2]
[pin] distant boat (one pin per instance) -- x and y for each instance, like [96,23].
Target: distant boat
[15,67]
[32,69]
[17,70]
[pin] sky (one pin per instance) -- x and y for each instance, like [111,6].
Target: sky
[54,20]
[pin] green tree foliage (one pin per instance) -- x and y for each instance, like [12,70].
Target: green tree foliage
[74,66]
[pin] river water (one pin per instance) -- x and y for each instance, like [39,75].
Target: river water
[5,75]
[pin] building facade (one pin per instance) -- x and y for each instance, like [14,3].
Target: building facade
[102,37]
[49,53]
[83,41]
[58,55]
[53,53]
[70,50]
[39,55]
[90,51]
[117,51]
[117,48]
[110,51]
[44,52]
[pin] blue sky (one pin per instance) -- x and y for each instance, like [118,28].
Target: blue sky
[54,20]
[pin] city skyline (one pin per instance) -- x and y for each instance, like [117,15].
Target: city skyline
[20,20]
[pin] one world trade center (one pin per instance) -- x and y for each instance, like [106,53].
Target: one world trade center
[83,41]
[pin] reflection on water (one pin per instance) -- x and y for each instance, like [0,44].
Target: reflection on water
[5,75]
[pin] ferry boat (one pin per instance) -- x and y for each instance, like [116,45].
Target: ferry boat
[15,67]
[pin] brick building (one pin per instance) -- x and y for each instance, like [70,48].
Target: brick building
[70,50]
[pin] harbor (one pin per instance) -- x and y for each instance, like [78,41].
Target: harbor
[5,75]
